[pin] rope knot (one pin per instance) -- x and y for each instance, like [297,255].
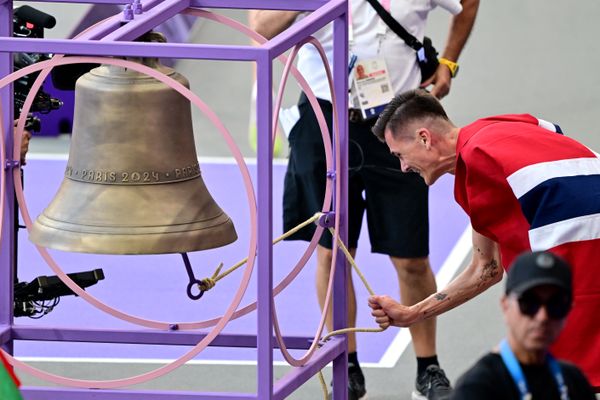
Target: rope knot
[207,284]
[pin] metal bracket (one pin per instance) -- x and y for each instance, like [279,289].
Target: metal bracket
[12,164]
[327,220]
[137,7]
[128,13]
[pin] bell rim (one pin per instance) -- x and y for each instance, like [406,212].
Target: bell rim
[133,244]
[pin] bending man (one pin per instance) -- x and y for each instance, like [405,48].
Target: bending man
[525,186]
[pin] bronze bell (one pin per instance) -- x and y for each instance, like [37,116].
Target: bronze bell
[133,183]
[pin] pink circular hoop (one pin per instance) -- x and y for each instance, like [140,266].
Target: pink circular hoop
[193,99]
[92,300]
[325,131]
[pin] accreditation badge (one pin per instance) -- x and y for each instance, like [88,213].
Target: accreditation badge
[371,89]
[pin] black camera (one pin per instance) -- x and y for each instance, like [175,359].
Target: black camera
[30,23]
[38,297]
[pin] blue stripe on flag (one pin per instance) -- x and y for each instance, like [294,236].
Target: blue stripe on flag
[552,127]
[561,198]
[558,130]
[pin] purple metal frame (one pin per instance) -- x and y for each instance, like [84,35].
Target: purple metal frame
[112,38]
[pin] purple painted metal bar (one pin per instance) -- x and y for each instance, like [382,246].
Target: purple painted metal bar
[306,27]
[113,23]
[5,334]
[36,393]
[148,20]
[176,338]
[333,348]
[120,2]
[7,253]
[302,5]
[161,50]
[264,100]
[340,73]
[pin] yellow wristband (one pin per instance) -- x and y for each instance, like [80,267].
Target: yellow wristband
[451,65]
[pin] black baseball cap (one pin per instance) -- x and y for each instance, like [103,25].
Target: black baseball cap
[538,268]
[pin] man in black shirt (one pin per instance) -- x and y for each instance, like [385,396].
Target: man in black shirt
[536,302]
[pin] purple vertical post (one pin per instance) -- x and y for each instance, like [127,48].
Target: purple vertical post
[340,306]
[264,109]
[7,256]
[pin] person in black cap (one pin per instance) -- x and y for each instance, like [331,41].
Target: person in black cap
[536,302]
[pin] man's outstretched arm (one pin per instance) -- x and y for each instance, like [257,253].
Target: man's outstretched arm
[483,271]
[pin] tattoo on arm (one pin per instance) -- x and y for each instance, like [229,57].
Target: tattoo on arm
[440,296]
[490,270]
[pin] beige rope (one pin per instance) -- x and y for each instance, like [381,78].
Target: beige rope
[208,283]
[323,385]
[352,262]
[364,281]
[344,331]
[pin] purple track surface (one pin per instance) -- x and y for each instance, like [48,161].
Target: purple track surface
[153,287]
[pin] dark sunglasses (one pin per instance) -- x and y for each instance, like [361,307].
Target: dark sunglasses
[557,306]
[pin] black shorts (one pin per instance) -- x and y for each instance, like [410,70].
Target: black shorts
[396,203]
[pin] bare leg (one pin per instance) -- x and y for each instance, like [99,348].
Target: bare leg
[324,256]
[416,283]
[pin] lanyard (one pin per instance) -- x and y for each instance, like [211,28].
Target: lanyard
[517,373]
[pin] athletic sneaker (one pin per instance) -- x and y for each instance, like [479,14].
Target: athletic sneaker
[356,384]
[432,384]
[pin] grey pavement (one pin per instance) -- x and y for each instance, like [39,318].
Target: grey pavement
[535,56]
